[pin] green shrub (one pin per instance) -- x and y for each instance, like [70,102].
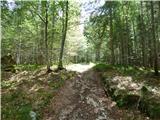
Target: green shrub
[15,107]
[29,67]
[101,67]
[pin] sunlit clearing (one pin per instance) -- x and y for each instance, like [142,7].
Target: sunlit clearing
[80,67]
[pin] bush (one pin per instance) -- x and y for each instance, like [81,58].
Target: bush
[101,67]
[29,67]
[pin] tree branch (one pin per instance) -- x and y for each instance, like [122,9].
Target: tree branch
[38,14]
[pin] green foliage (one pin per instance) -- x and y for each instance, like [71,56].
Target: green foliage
[23,29]
[27,67]
[5,84]
[16,106]
[130,70]
[101,67]
[126,39]
[120,103]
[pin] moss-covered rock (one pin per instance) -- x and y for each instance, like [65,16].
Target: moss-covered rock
[151,106]
[130,94]
[123,90]
[131,100]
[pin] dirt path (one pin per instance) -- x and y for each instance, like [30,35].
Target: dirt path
[83,98]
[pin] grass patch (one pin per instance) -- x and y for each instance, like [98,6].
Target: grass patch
[101,67]
[28,67]
[15,106]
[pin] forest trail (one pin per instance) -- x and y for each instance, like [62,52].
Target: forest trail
[80,68]
[80,99]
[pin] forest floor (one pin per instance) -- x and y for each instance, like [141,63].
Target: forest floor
[84,98]
[73,94]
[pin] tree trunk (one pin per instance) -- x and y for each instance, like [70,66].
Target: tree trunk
[127,32]
[142,33]
[64,31]
[134,43]
[41,47]
[154,40]
[149,36]
[123,61]
[46,36]
[97,59]
[111,37]
[18,57]
[53,33]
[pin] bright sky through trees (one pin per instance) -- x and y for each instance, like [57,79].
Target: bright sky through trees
[87,7]
[11,4]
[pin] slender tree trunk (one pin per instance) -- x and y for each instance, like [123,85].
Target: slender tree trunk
[122,37]
[18,59]
[159,27]
[127,40]
[111,37]
[18,54]
[97,54]
[142,33]
[121,44]
[158,33]
[64,31]
[46,36]
[134,42]
[154,40]
[53,32]
[149,36]
[41,49]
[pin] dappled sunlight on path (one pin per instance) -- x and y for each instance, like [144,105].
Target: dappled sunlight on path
[80,67]
[80,98]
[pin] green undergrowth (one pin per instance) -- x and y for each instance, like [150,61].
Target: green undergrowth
[28,67]
[132,88]
[15,106]
[125,69]
[26,92]
[130,70]
[101,67]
